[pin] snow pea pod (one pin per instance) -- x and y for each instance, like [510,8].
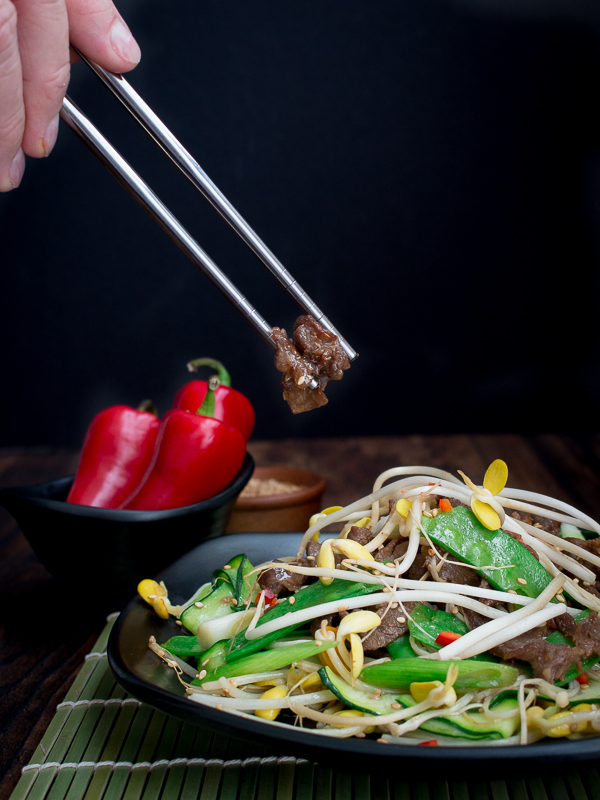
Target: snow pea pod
[500,559]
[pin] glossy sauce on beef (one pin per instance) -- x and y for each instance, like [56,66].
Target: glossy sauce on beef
[314,354]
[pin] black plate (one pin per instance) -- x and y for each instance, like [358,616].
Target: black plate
[144,675]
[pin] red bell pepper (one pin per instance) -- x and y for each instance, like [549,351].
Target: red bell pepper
[195,457]
[230,406]
[116,453]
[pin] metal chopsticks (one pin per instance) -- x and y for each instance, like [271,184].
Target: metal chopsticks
[142,193]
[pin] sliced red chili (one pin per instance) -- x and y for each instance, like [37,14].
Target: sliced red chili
[428,743]
[583,679]
[447,637]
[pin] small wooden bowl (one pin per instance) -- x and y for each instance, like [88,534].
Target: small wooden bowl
[282,512]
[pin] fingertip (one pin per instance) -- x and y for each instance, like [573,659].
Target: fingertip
[15,172]
[124,45]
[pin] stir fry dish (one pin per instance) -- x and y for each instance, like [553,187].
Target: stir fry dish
[442,613]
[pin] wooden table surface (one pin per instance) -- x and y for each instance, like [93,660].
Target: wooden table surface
[43,642]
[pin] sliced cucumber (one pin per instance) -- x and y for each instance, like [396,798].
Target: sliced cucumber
[221,600]
[214,657]
[355,698]
[470,725]
[183,646]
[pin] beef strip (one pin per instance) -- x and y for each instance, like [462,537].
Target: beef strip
[591,546]
[281,581]
[587,635]
[361,535]
[548,661]
[315,354]
[389,630]
[455,573]
[550,525]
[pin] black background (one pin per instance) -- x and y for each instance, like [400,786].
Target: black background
[428,171]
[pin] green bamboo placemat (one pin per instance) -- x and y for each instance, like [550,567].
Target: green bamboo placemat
[103,744]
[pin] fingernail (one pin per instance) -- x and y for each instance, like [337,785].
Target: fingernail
[49,138]
[17,168]
[124,43]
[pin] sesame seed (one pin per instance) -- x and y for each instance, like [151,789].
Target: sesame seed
[560,598]
[394,605]
[587,583]
[522,581]
[342,608]
[234,602]
[454,609]
[292,600]
[402,620]
[202,675]
[318,643]
[396,706]
[361,735]
[511,591]
[310,558]
[204,663]
[227,566]
[387,589]
[152,596]
[199,605]
[178,622]
[219,707]
[382,741]
[427,514]
[538,525]
[435,512]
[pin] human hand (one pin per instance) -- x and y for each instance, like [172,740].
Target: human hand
[35,66]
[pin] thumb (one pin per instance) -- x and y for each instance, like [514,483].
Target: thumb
[98,30]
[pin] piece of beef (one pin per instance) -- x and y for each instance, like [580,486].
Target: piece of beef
[312,550]
[591,546]
[389,630]
[586,635]
[492,603]
[315,354]
[455,573]
[361,535]
[332,620]
[281,581]
[548,661]
[386,551]
[419,566]
[565,623]
[549,525]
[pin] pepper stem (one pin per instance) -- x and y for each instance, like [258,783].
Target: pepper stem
[148,405]
[222,374]
[207,409]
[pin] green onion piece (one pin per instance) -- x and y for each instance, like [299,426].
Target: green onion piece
[401,672]
[266,661]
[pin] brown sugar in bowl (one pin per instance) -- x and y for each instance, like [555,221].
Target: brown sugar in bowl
[279,512]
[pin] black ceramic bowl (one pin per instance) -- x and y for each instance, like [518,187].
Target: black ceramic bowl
[104,552]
